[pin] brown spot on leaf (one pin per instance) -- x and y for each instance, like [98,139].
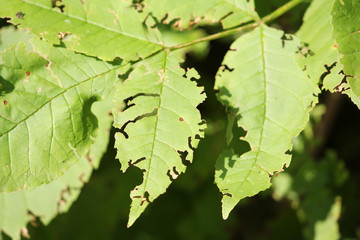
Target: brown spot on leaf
[5,102]
[20,15]
[181,119]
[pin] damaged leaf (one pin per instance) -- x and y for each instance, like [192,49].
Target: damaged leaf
[188,12]
[323,65]
[271,97]
[19,208]
[105,29]
[159,123]
[47,124]
[317,40]
[346,24]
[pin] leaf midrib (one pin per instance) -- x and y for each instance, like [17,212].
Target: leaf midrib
[258,150]
[156,124]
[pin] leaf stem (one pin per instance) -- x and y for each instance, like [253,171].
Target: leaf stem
[215,36]
[275,14]
[281,10]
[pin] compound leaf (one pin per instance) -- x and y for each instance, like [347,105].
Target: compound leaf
[105,29]
[271,97]
[159,127]
[187,12]
[46,123]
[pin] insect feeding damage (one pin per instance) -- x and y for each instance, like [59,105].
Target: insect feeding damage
[165,96]
[20,15]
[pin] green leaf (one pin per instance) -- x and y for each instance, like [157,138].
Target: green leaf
[105,29]
[159,124]
[328,228]
[46,124]
[56,197]
[314,183]
[347,34]
[9,35]
[271,97]
[187,12]
[48,200]
[319,52]
[319,55]
[346,24]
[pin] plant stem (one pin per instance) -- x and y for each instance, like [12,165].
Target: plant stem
[215,36]
[275,14]
[281,10]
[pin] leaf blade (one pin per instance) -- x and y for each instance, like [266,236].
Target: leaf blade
[169,119]
[48,111]
[231,13]
[320,56]
[89,27]
[56,197]
[271,103]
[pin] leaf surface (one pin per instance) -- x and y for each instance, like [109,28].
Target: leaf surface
[56,197]
[271,97]
[46,122]
[159,124]
[230,12]
[346,24]
[319,55]
[319,52]
[105,29]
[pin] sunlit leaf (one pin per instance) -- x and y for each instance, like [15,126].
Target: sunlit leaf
[271,96]
[19,208]
[105,29]
[159,127]
[46,122]
[187,12]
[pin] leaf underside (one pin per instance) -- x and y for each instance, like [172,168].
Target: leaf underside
[56,197]
[187,12]
[159,124]
[46,122]
[347,34]
[271,97]
[319,55]
[90,27]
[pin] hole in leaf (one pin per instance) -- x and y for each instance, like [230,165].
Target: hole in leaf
[20,15]
[56,4]
[328,71]
[190,145]
[137,161]
[122,129]
[227,68]
[285,37]
[145,198]
[227,194]
[183,155]
[304,50]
